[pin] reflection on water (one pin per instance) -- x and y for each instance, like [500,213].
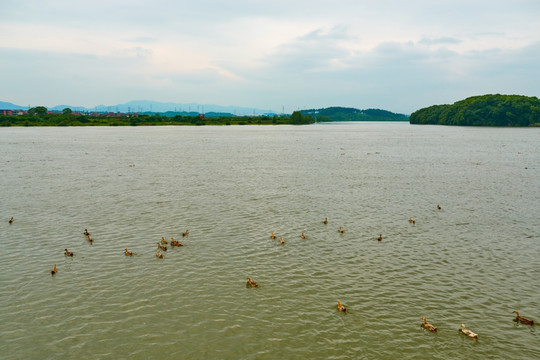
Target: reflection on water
[473,261]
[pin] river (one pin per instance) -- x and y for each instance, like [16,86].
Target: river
[474,261]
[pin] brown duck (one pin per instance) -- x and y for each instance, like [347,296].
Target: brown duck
[523,320]
[428,325]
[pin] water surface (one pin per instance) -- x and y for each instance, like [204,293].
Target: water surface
[474,261]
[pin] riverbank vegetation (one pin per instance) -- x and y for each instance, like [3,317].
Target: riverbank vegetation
[485,110]
[39,116]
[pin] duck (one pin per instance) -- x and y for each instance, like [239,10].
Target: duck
[127,252]
[303,236]
[251,283]
[175,243]
[467,332]
[428,325]
[90,240]
[68,253]
[159,254]
[11,220]
[185,233]
[163,241]
[438,207]
[325,221]
[164,248]
[341,307]
[281,240]
[412,221]
[86,232]
[53,271]
[380,237]
[523,320]
[272,236]
[340,230]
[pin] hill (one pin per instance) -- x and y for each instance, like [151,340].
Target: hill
[9,106]
[484,110]
[147,106]
[352,114]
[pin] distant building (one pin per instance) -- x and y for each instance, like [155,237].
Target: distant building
[7,112]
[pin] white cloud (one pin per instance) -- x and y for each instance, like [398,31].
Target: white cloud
[439,41]
[390,54]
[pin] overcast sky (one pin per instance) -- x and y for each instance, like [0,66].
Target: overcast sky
[279,54]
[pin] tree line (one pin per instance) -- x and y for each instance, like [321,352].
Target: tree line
[484,110]
[39,116]
[337,113]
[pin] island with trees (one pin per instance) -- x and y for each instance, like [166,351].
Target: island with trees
[484,110]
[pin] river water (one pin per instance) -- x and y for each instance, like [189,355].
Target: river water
[474,261]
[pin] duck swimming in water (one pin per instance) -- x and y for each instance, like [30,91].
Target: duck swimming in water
[467,332]
[175,243]
[185,233]
[380,237]
[340,230]
[68,253]
[341,307]
[303,236]
[438,207]
[159,255]
[272,236]
[127,252]
[428,325]
[163,241]
[412,221]
[11,220]
[164,248]
[53,271]
[325,221]
[89,239]
[251,283]
[523,320]
[281,240]
[86,232]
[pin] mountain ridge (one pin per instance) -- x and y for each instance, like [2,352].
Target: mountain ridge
[10,106]
[151,106]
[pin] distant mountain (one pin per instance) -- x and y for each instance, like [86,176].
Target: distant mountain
[9,106]
[352,114]
[62,107]
[148,106]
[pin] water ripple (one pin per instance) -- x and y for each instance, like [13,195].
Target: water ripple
[472,262]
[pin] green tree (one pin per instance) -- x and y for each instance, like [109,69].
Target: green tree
[485,110]
[38,110]
[298,119]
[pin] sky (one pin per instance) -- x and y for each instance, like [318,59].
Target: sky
[278,55]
